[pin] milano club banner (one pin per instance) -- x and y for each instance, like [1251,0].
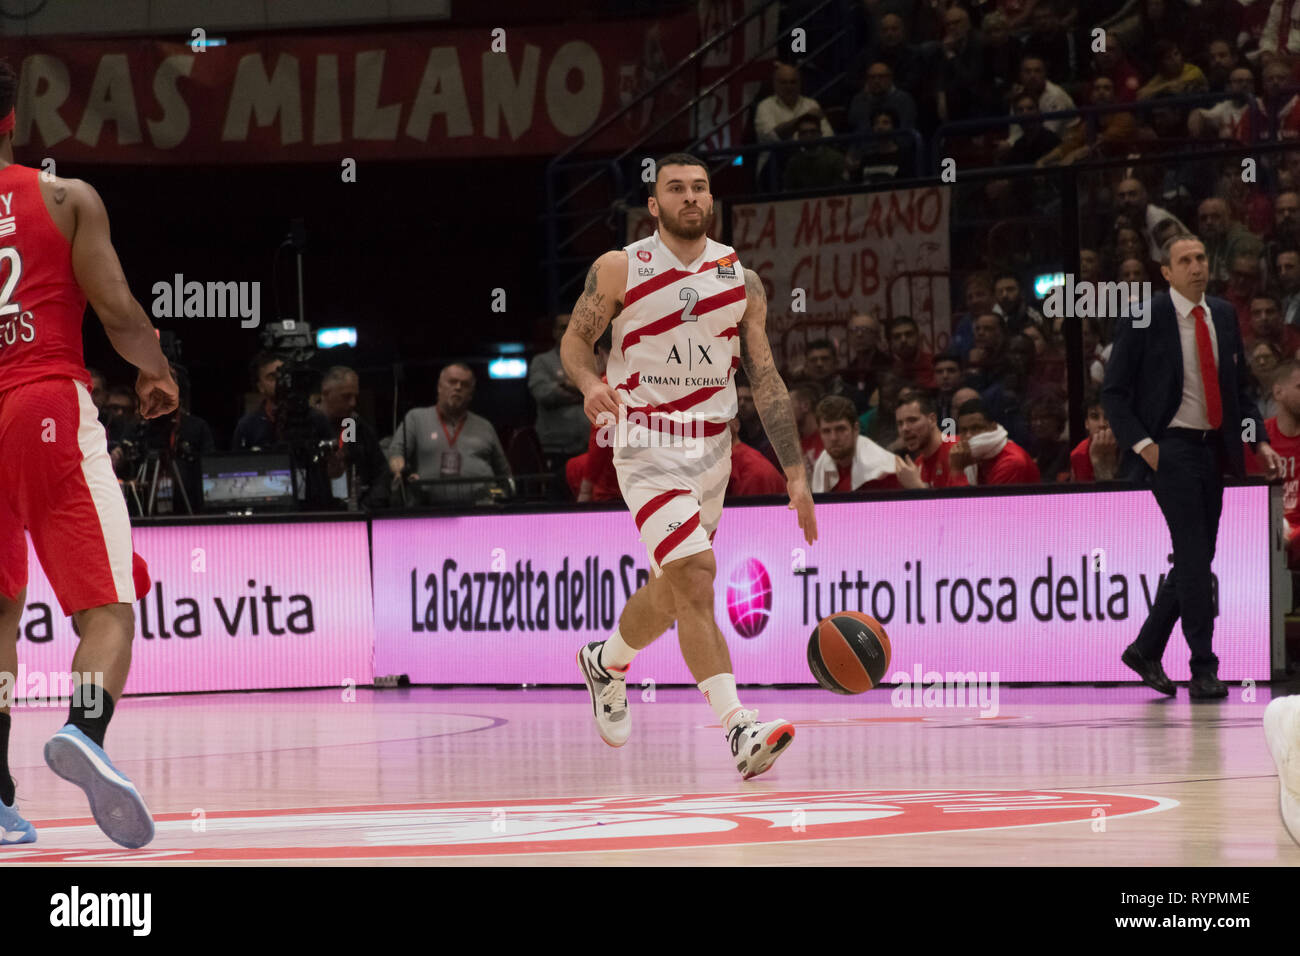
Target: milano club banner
[827,257]
[1034,588]
[232,608]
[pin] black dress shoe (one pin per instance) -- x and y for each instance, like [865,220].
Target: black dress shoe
[1152,674]
[1207,687]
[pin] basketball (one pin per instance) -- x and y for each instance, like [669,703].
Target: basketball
[848,652]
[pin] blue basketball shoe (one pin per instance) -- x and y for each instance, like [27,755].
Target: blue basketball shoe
[13,828]
[116,804]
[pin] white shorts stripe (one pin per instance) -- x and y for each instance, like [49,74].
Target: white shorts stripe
[110,506]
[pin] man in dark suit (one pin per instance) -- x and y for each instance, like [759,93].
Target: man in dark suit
[1175,394]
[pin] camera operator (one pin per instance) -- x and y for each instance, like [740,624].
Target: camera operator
[183,438]
[283,423]
[179,438]
[121,419]
[356,439]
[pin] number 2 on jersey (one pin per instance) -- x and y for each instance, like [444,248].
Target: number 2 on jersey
[15,261]
[690,297]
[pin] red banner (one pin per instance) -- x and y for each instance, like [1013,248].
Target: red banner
[527,90]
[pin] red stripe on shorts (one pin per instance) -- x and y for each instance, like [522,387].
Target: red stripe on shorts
[655,503]
[676,538]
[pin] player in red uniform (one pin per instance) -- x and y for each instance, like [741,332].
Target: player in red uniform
[984,444]
[56,479]
[927,449]
[851,462]
[1096,458]
[1284,435]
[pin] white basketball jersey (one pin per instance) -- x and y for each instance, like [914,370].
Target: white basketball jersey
[676,344]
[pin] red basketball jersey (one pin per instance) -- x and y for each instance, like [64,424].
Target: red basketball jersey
[1288,447]
[41,305]
[937,472]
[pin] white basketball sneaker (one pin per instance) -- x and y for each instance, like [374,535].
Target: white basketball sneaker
[608,697]
[1282,731]
[756,746]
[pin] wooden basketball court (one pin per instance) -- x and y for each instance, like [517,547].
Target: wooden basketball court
[1112,776]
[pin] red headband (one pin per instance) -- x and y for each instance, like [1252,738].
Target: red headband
[7,123]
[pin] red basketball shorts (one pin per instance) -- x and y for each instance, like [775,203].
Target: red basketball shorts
[57,482]
[674,493]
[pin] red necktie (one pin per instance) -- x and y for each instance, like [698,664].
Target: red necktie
[1209,369]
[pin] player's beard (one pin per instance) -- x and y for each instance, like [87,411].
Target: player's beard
[688,230]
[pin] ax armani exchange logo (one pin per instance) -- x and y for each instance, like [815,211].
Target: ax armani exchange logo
[697,356]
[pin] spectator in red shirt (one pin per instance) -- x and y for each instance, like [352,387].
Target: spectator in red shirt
[751,473]
[911,363]
[1096,458]
[1266,326]
[591,475]
[1284,435]
[927,450]
[850,461]
[989,456]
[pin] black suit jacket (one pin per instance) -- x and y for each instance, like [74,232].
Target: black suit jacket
[1144,384]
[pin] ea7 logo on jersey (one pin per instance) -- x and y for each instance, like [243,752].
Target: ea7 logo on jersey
[674,526]
[726,268]
[643,255]
[645,270]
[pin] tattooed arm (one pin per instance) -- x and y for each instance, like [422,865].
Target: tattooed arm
[773,401]
[596,308]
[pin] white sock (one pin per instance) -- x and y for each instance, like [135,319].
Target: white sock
[615,656]
[720,691]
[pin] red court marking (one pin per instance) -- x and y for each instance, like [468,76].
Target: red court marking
[591,824]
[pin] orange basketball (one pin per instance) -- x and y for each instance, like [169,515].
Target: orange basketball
[848,652]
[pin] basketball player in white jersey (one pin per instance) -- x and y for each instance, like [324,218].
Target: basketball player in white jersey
[685,316]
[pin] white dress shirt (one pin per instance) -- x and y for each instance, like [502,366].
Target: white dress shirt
[1191,412]
[772,112]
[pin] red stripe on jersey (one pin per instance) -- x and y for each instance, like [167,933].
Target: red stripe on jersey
[632,382]
[643,289]
[655,503]
[676,538]
[669,322]
[730,333]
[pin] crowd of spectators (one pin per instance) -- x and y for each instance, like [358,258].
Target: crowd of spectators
[911,66]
